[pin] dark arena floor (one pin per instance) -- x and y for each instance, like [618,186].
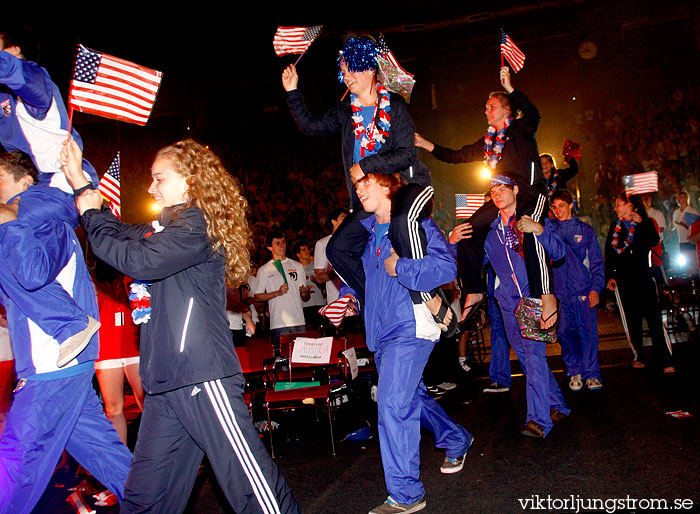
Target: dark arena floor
[619,451]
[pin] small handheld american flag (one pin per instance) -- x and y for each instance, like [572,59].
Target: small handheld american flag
[641,183]
[294,40]
[510,51]
[111,87]
[467,205]
[109,187]
[337,310]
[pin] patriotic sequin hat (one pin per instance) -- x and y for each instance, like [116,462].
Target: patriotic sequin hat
[359,54]
[497,180]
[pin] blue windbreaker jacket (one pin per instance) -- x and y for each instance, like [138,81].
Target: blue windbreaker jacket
[389,311]
[501,258]
[40,250]
[582,269]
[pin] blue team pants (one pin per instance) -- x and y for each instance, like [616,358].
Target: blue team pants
[47,416]
[499,367]
[404,407]
[578,337]
[541,390]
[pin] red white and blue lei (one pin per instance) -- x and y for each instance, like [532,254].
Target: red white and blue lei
[372,139]
[615,243]
[139,297]
[492,151]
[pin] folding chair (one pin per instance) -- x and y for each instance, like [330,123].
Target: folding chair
[313,396]
[253,357]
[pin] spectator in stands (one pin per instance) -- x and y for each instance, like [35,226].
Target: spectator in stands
[282,283]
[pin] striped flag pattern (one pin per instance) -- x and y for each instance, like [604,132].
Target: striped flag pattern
[641,183]
[335,311]
[111,87]
[294,40]
[511,52]
[109,187]
[467,205]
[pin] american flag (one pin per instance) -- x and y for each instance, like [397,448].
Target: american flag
[467,204]
[335,311]
[511,52]
[111,87]
[641,183]
[109,187]
[294,40]
[385,52]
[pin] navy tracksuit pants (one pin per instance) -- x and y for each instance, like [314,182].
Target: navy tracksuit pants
[178,427]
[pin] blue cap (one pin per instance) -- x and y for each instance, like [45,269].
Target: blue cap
[501,179]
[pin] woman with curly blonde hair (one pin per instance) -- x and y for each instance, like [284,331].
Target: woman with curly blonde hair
[192,378]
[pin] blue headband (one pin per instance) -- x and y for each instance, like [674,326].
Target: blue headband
[497,180]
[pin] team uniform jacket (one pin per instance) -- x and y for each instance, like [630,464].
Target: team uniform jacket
[398,153]
[389,310]
[34,119]
[582,270]
[187,339]
[498,254]
[42,251]
[519,153]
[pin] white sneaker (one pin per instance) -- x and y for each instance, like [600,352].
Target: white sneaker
[575,383]
[391,506]
[495,387]
[593,384]
[447,386]
[71,347]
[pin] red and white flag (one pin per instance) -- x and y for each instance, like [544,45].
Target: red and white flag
[641,183]
[336,310]
[111,87]
[510,51]
[466,205]
[294,40]
[110,188]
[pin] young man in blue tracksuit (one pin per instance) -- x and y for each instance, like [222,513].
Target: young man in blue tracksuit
[401,348]
[52,408]
[545,402]
[34,120]
[578,281]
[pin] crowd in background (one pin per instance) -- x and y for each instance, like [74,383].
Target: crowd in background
[660,134]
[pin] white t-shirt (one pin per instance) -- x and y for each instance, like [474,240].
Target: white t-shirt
[316,294]
[252,284]
[657,215]
[679,216]
[235,320]
[285,310]
[321,262]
